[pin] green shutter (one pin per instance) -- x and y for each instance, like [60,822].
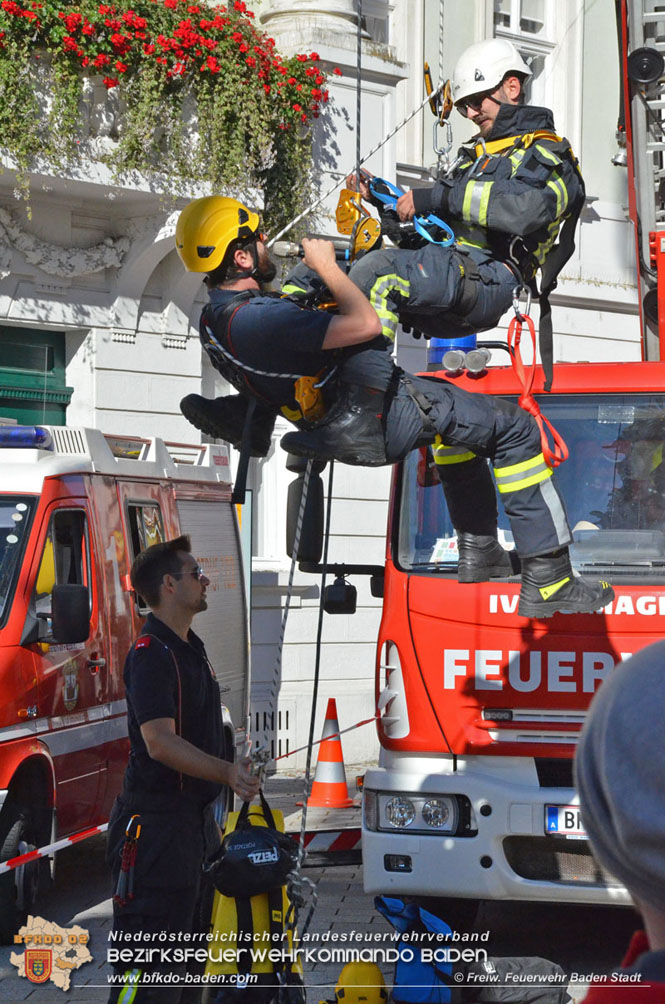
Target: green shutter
[32,376]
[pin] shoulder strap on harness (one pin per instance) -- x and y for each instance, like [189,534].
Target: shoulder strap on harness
[552,266]
[525,140]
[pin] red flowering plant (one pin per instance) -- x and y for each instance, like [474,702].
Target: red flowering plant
[199,94]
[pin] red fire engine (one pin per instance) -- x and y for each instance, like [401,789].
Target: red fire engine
[76,506]
[480,709]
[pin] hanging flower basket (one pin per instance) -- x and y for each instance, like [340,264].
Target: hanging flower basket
[191,92]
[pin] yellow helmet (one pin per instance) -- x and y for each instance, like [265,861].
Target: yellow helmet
[361,983]
[206,228]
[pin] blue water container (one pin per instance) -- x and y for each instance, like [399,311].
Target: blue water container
[437,348]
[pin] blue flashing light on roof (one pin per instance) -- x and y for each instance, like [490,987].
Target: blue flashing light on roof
[25,437]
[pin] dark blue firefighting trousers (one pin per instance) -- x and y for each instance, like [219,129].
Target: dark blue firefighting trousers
[165,908]
[443,292]
[462,429]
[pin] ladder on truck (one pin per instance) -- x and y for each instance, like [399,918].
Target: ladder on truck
[642,41]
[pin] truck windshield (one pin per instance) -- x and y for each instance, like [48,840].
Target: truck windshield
[15,518]
[613,484]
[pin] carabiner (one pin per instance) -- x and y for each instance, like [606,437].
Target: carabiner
[517,293]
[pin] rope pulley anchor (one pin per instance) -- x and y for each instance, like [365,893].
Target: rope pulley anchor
[556,454]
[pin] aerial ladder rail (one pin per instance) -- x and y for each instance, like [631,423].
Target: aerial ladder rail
[642,41]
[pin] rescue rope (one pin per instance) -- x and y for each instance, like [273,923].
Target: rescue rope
[559,453]
[341,180]
[333,735]
[277,668]
[298,887]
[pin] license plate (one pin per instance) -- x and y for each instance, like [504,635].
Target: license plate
[564,821]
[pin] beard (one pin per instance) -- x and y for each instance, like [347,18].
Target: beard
[266,270]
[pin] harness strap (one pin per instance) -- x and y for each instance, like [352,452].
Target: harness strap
[422,403]
[507,143]
[245,935]
[552,456]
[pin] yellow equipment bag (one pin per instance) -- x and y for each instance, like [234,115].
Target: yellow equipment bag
[245,931]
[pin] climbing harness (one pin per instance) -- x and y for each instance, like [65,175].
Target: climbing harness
[556,455]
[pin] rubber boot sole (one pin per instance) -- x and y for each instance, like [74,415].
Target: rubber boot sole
[467,575]
[542,609]
[201,421]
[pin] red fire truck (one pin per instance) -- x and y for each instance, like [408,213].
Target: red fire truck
[76,506]
[480,709]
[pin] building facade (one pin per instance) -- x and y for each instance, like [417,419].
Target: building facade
[98,321]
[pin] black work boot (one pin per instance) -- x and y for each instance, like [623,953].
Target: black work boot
[482,558]
[550,586]
[352,434]
[224,418]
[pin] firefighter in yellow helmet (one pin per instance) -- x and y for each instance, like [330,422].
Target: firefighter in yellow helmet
[361,983]
[332,373]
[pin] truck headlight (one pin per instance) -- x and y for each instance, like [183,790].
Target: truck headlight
[436,812]
[418,813]
[400,812]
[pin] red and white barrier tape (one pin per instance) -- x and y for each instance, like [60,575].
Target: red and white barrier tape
[42,852]
[332,840]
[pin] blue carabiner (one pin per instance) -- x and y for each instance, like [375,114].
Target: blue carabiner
[422,222]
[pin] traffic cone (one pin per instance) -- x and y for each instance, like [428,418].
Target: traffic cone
[329,789]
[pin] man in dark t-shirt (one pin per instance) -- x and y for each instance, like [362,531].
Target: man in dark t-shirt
[175,770]
[332,372]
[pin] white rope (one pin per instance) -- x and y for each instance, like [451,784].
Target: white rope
[441,67]
[341,180]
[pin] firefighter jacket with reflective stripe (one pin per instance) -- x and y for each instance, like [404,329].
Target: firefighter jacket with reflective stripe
[522,182]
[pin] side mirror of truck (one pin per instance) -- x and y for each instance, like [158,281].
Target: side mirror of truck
[311,534]
[340,598]
[70,614]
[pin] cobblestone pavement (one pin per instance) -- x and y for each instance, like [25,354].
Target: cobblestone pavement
[580,939]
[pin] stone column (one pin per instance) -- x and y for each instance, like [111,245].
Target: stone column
[334,15]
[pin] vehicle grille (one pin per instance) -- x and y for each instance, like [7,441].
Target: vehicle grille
[548,859]
[554,773]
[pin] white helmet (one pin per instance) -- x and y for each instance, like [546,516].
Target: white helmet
[483,66]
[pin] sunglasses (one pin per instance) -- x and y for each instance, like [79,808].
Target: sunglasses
[196,573]
[474,101]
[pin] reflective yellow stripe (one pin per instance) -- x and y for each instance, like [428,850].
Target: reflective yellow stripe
[290,288]
[516,159]
[525,465]
[516,486]
[476,199]
[466,205]
[522,475]
[561,193]
[484,203]
[128,992]
[378,297]
[547,591]
[451,454]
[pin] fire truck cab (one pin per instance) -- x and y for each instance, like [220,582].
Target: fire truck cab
[480,709]
[76,507]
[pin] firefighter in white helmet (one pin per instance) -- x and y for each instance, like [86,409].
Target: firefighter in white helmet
[514,185]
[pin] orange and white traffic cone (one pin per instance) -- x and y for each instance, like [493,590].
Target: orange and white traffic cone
[329,789]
